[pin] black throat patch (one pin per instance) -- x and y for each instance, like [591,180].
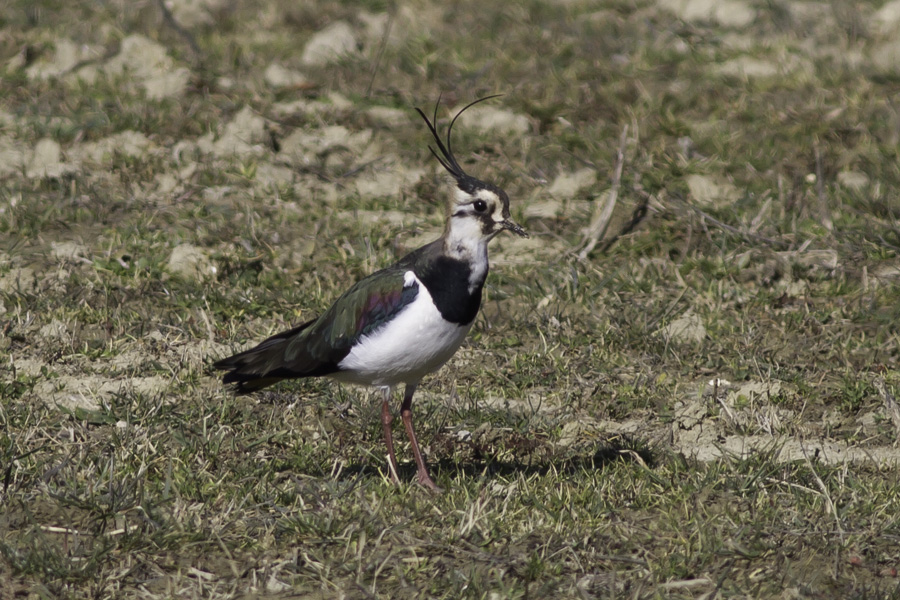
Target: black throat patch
[447,280]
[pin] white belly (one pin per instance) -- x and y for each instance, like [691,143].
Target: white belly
[416,342]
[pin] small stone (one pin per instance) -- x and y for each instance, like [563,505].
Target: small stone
[489,119]
[886,56]
[387,117]
[303,146]
[730,13]
[686,328]
[886,272]
[734,14]
[274,586]
[68,251]
[148,65]
[568,185]
[868,420]
[339,101]
[125,143]
[547,209]
[271,174]
[706,191]
[18,281]
[795,288]
[190,262]
[330,44]
[686,145]
[375,26]
[278,76]
[786,64]
[329,105]
[755,391]
[750,68]
[386,184]
[244,135]
[66,55]
[853,180]
[12,158]
[887,18]
[54,330]
[46,162]
[193,14]
[825,259]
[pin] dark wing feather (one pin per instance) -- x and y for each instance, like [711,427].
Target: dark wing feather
[317,347]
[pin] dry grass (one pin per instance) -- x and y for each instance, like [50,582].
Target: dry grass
[695,408]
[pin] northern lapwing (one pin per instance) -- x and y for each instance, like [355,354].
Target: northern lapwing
[402,322]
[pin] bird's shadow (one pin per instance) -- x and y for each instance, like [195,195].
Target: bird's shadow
[597,457]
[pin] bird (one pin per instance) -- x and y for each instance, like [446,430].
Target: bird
[402,322]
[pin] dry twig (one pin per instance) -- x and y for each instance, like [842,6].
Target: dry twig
[890,403]
[637,216]
[603,214]
[186,35]
[381,48]
[829,503]
[820,192]
[747,235]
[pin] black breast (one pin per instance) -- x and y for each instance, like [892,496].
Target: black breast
[447,280]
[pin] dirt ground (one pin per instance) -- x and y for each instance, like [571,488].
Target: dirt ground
[683,384]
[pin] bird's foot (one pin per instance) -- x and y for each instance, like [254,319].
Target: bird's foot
[423,479]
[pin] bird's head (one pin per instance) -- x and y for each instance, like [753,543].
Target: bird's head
[478,208]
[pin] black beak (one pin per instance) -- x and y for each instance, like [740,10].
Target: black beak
[514,227]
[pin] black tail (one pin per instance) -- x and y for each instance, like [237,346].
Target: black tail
[262,365]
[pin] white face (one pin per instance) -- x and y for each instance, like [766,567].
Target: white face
[479,214]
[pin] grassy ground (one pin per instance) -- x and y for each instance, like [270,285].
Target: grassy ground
[699,407]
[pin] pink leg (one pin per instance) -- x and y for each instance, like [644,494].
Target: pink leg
[406,414]
[386,419]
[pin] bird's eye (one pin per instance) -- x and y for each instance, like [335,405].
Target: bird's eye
[480,205]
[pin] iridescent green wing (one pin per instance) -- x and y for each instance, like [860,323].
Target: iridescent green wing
[359,312]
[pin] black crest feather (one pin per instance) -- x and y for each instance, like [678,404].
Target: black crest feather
[446,158]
